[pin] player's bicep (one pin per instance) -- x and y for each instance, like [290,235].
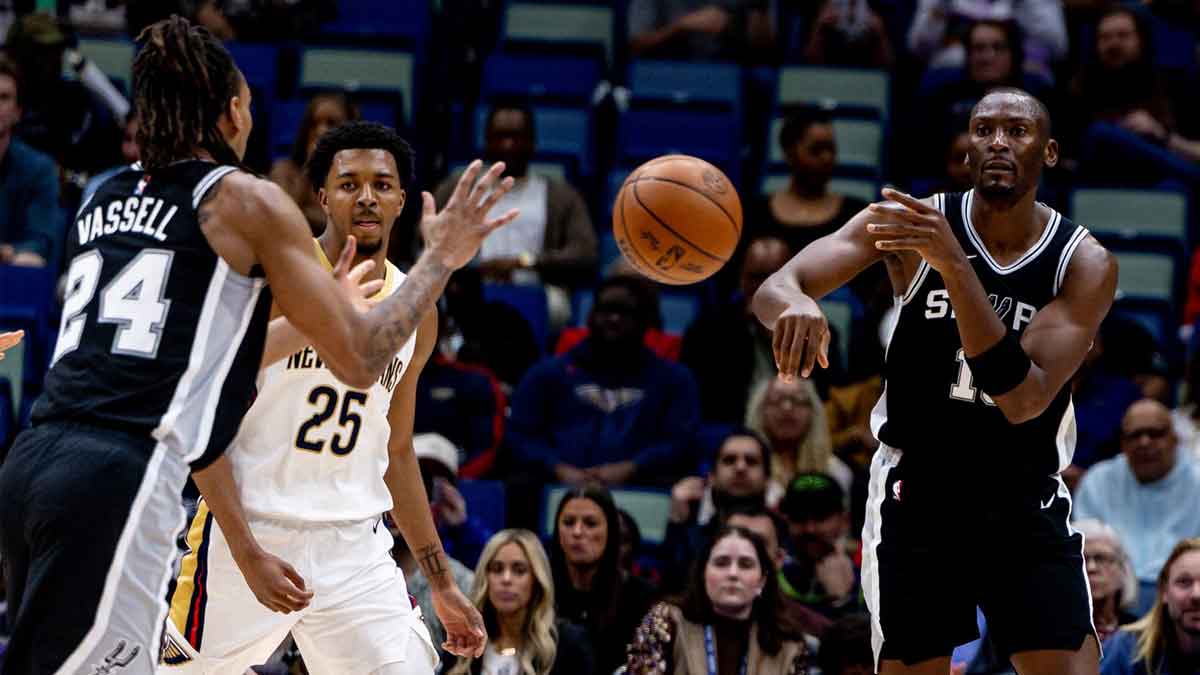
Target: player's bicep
[1061,333]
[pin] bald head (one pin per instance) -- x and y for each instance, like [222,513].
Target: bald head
[764,256]
[1012,98]
[1148,440]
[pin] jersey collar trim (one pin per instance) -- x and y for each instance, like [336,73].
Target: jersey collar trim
[389,272]
[1026,258]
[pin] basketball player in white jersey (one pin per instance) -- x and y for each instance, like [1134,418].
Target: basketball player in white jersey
[314,465]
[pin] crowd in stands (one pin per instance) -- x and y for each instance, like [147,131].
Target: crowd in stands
[614,466]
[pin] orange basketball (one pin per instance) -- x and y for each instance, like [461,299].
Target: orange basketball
[677,219]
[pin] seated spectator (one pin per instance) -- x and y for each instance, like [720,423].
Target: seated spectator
[1167,640]
[773,529]
[464,403]
[552,241]
[726,347]
[1132,125]
[846,647]
[726,30]
[994,58]
[514,591]
[609,410]
[130,153]
[729,617]
[806,209]
[790,415]
[31,223]
[939,29]
[738,478]
[419,587]
[324,112]
[822,574]
[69,119]
[589,586]
[463,537]
[487,333]
[664,344]
[848,412]
[1148,494]
[1111,579]
[849,34]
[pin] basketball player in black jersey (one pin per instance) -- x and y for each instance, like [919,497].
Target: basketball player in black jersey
[999,299]
[161,338]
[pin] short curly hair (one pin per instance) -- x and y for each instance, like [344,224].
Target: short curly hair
[355,136]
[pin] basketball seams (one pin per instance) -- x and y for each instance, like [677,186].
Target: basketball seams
[667,227]
[632,247]
[636,179]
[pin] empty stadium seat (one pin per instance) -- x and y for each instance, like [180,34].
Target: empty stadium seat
[1129,213]
[711,135]
[1147,274]
[845,90]
[563,25]
[404,19]
[561,79]
[686,83]
[259,63]
[113,57]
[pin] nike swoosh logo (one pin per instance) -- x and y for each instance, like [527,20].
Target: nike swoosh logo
[1048,502]
[972,257]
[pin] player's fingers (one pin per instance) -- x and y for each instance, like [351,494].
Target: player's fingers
[11,338]
[360,270]
[293,576]
[897,229]
[501,189]
[779,338]
[900,244]
[812,346]
[503,220]
[798,349]
[487,184]
[371,287]
[428,206]
[346,256]
[823,353]
[463,189]
[906,199]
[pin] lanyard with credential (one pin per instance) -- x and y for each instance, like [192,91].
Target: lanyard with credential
[710,649]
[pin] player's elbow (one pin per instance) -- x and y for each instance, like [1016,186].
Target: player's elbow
[354,369]
[1019,409]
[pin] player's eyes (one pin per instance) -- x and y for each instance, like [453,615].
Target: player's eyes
[383,187]
[1018,131]
[347,186]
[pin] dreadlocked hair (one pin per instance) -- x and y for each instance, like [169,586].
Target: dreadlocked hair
[183,79]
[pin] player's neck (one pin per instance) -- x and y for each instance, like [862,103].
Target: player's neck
[332,243]
[1007,227]
[512,629]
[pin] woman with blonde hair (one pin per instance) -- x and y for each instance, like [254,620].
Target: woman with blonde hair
[1167,640]
[514,591]
[791,416]
[1111,577]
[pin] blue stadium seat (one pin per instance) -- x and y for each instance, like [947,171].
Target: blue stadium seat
[378,73]
[260,64]
[285,117]
[563,134]
[384,113]
[564,79]
[485,501]
[114,58]
[1131,213]
[405,19]
[846,91]
[713,136]
[686,83]
[27,303]
[529,300]
[560,27]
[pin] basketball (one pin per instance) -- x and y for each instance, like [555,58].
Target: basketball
[677,219]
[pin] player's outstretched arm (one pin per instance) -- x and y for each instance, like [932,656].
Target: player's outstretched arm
[357,346]
[1061,333]
[276,584]
[786,301]
[466,634]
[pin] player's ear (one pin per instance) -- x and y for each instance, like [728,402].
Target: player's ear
[323,200]
[1050,154]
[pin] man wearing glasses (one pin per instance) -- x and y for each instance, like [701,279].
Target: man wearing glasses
[1148,493]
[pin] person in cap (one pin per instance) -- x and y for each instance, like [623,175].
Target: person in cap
[824,571]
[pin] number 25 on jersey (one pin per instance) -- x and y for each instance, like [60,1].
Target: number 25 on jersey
[349,421]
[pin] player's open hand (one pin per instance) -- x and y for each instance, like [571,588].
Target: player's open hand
[905,223]
[455,233]
[465,633]
[350,281]
[10,340]
[276,584]
[801,339]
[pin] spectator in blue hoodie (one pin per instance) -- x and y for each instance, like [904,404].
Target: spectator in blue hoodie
[610,410]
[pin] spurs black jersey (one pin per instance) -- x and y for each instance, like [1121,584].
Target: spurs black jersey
[158,335]
[930,409]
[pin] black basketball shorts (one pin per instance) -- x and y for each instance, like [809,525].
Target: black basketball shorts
[934,549]
[87,524]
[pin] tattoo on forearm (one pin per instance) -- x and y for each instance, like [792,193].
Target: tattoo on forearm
[430,558]
[404,311]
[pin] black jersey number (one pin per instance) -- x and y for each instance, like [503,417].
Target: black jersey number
[962,389]
[134,300]
[326,400]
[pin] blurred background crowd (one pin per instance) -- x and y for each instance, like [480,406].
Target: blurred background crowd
[600,452]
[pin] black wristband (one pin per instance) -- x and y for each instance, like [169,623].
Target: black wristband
[1001,368]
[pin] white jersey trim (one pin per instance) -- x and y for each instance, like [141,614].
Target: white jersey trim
[1064,259]
[886,458]
[1042,243]
[210,179]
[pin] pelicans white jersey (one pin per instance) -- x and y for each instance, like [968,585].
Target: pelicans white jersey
[311,448]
